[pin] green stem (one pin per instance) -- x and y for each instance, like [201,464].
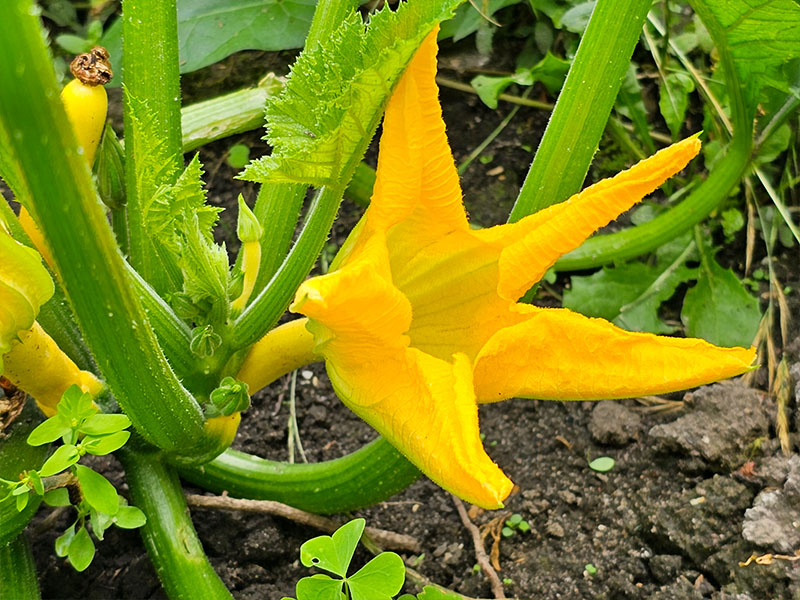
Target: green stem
[18,571]
[328,15]
[93,272]
[277,209]
[705,198]
[151,72]
[576,125]
[237,112]
[263,312]
[367,476]
[169,535]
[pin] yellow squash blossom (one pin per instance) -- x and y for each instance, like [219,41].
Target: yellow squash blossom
[419,321]
[30,358]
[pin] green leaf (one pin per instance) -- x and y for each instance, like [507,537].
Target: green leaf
[100,522]
[49,430]
[98,492]
[577,18]
[129,517]
[102,424]
[319,587]
[630,295]
[551,71]
[81,550]
[431,593]
[328,111]
[208,30]
[73,44]
[57,497]
[63,458]
[333,553]
[64,540]
[238,156]
[602,464]
[719,308]
[761,36]
[673,100]
[380,579]
[106,444]
[76,405]
[22,499]
[467,19]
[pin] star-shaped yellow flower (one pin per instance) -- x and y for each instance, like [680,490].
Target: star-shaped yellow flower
[418,321]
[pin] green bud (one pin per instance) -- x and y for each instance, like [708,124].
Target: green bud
[231,396]
[204,341]
[248,228]
[110,170]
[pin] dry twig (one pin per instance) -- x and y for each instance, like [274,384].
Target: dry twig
[387,539]
[480,551]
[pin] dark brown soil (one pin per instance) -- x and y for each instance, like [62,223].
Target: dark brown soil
[665,522]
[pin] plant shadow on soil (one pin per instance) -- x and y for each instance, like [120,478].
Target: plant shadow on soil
[665,523]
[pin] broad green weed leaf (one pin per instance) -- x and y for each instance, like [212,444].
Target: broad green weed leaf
[719,308]
[97,490]
[762,37]
[551,71]
[106,444]
[380,579]
[209,30]
[333,553]
[57,497]
[129,517]
[321,124]
[49,430]
[673,100]
[63,458]
[630,295]
[103,424]
[81,550]
[467,19]
[319,587]
[63,541]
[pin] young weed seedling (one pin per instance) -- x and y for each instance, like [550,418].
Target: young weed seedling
[380,579]
[514,524]
[61,481]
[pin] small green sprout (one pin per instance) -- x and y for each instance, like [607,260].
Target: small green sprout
[515,523]
[238,156]
[508,581]
[602,464]
[382,577]
[590,569]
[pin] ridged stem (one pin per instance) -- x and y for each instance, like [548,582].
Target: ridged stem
[584,105]
[17,571]
[360,479]
[169,535]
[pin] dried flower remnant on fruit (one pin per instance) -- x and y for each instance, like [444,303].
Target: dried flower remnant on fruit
[93,67]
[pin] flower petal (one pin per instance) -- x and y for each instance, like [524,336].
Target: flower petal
[423,405]
[417,183]
[535,242]
[560,355]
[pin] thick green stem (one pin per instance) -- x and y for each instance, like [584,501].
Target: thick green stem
[152,82]
[17,570]
[237,112]
[704,199]
[584,105]
[169,535]
[93,272]
[368,476]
